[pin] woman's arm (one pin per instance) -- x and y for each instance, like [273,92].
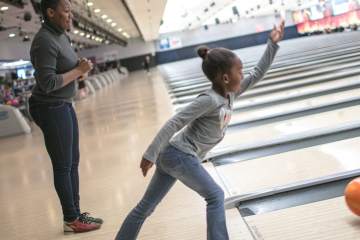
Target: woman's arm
[80,72]
[44,58]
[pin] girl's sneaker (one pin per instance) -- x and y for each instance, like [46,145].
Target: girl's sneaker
[79,226]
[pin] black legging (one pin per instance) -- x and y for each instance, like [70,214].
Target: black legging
[59,125]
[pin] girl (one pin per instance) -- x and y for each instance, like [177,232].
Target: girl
[206,119]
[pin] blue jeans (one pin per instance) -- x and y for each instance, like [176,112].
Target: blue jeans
[59,125]
[174,164]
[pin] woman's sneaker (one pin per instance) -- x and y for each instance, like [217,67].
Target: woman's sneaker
[87,218]
[79,226]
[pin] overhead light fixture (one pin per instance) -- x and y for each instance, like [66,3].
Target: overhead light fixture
[82,34]
[126,35]
[119,29]
[88,36]
[104,16]
[26,38]
[113,24]
[76,31]
[97,10]
[11,35]
[4,8]
[90,4]
[15,63]
[109,20]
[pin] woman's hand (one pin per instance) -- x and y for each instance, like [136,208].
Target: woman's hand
[85,66]
[145,165]
[82,69]
[278,32]
[83,77]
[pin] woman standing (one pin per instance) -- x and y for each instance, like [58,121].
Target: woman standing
[57,68]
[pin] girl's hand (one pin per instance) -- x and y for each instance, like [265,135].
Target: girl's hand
[278,32]
[145,165]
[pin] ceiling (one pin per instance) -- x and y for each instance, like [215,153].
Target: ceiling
[148,15]
[114,11]
[12,20]
[142,18]
[190,14]
[129,19]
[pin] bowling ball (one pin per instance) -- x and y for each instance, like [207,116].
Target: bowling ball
[13,102]
[352,196]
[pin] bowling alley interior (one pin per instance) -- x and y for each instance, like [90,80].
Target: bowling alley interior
[179,119]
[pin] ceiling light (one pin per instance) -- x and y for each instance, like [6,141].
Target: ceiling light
[126,35]
[104,16]
[82,34]
[76,31]
[113,24]
[90,4]
[11,35]
[119,29]
[88,36]
[109,20]
[4,8]
[97,10]
[26,38]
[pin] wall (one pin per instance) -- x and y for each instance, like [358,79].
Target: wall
[133,55]
[226,35]
[230,43]
[224,31]
[14,49]
[135,47]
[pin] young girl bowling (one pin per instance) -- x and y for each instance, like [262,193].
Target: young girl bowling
[202,124]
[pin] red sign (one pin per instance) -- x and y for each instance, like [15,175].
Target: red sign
[331,22]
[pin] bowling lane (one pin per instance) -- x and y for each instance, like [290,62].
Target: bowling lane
[241,103]
[324,220]
[298,61]
[184,69]
[306,76]
[303,69]
[290,167]
[344,77]
[299,105]
[283,82]
[267,132]
[199,84]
